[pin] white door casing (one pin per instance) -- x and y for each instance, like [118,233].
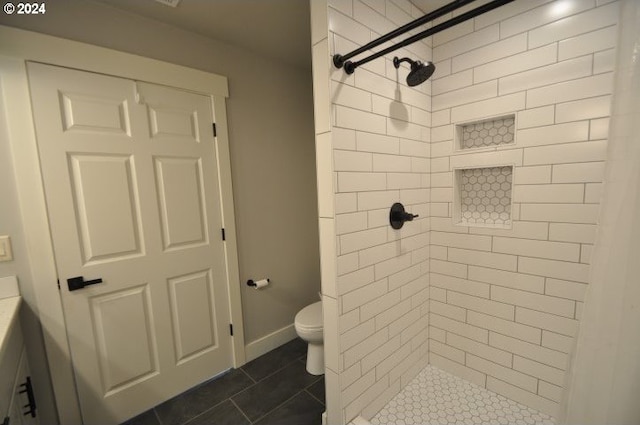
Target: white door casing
[132,191]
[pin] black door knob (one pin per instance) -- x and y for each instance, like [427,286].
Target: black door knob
[78,282]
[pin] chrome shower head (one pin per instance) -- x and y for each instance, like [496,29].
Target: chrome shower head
[420,72]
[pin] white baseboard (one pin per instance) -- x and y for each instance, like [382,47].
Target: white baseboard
[269,342]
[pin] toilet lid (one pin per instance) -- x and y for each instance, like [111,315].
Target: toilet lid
[310,317]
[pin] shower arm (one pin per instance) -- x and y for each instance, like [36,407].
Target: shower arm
[349,67]
[397,61]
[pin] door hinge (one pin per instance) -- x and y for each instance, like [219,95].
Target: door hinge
[58,284]
[231,329]
[224,236]
[215,131]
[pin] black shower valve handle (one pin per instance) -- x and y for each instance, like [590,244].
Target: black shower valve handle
[397,216]
[409,217]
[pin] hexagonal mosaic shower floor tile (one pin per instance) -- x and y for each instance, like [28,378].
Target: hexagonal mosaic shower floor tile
[437,397]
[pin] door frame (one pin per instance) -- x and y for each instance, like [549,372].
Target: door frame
[17,47]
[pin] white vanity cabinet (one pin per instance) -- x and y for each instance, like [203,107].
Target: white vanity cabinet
[16,396]
[22,410]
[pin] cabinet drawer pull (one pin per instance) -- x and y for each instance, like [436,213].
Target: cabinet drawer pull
[31,406]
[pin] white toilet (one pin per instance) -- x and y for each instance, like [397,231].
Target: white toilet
[308,326]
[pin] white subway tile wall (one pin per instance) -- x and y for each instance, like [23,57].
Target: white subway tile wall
[496,306]
[514,334]
[379,137]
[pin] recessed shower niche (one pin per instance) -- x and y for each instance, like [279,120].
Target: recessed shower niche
[482,196]
[488,133]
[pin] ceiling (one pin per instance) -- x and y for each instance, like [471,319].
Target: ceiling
[279,29]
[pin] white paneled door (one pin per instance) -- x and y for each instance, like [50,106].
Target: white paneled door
[132,188]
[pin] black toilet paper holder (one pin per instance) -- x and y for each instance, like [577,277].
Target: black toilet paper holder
[397,216]
[252,282]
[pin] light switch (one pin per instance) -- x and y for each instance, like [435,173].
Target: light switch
[5,249]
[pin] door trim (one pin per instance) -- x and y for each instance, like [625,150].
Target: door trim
[18,47]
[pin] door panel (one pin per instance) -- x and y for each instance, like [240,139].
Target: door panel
[192,307]
[124,338]
[179,120]
[105,183]
[94,113]
[180,124]
[179,183]
[131,181]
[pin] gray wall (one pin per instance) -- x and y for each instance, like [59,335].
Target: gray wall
[270,117]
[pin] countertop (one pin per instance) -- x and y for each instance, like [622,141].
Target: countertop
[9,306]
[8,315]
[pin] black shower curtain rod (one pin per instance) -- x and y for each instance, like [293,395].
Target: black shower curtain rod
[341,60]
[338,60]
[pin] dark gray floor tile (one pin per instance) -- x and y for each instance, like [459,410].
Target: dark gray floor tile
[192,403]
[274,390]
[147,418]
[225,413]
[276,359]
[300,410]
[317,390]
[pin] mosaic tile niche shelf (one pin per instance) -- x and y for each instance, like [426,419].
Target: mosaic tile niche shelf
[488,133]
[483,196]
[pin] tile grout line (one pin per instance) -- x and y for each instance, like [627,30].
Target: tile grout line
[207,410]
[240,410]
[299,359]
[221,401]
[277,407]
[270,374]
[257,382]
[155,413]
[306,390]
[249,376]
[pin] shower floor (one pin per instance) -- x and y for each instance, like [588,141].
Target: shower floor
[437,397]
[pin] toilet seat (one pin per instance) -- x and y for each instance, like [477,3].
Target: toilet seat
[310,318]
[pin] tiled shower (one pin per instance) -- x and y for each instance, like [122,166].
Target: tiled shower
[501,153]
